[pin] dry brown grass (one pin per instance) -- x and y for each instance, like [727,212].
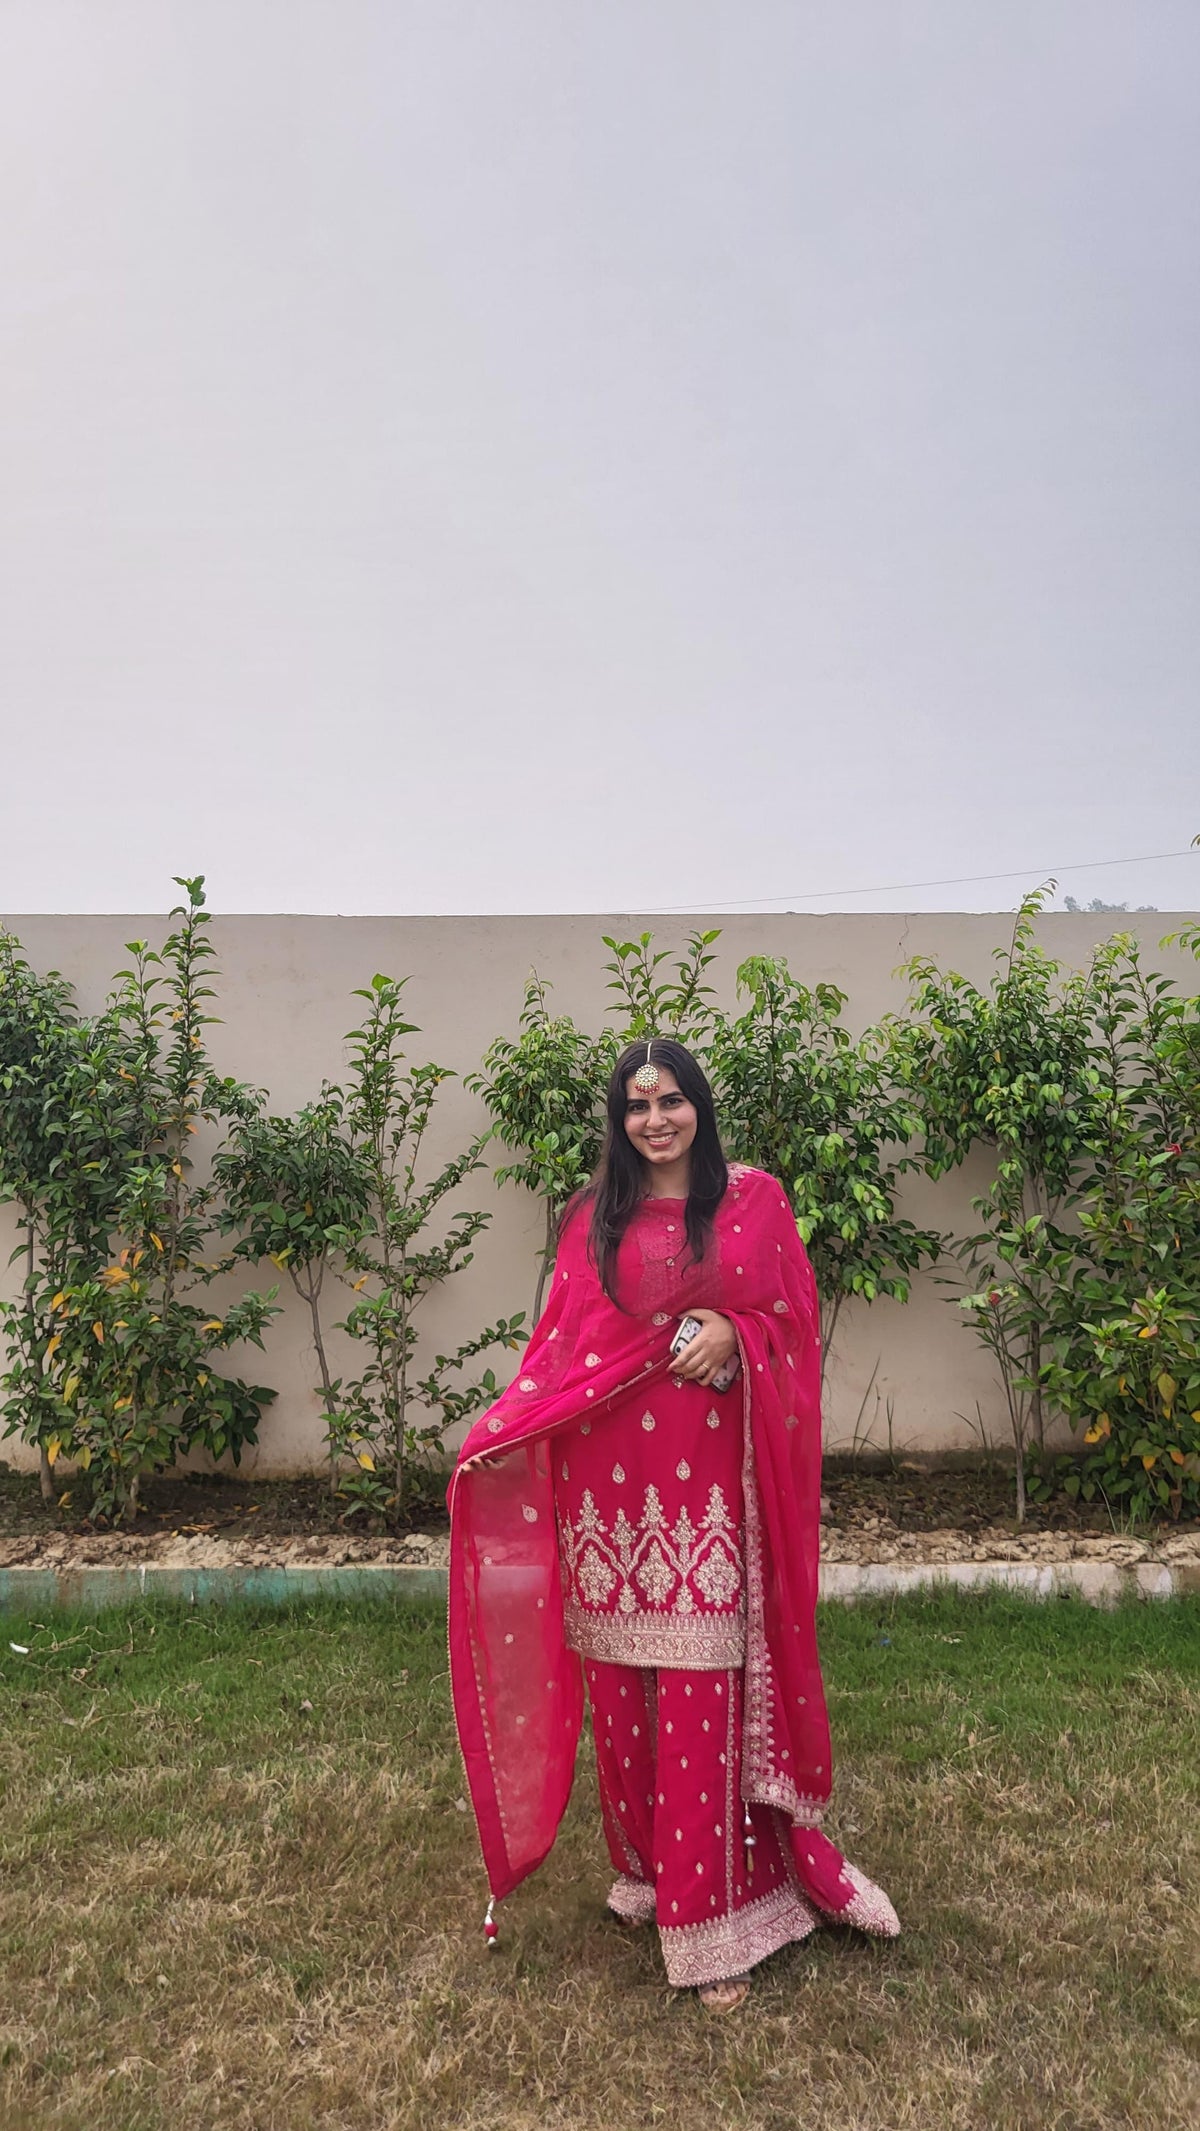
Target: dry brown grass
[220,1912]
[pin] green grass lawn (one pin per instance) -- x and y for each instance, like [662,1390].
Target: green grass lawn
[222,1909]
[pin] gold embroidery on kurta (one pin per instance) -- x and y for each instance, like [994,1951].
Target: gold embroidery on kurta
[669,1568]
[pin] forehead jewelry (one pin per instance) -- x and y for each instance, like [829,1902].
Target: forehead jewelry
[646,1077]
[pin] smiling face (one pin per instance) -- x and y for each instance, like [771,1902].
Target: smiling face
[662,1125]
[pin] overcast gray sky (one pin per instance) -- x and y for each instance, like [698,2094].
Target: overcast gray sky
[539,455]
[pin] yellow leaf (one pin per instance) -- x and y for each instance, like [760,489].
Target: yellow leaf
[1150,1460]
[51,1344]
[70,1388]
[84,1458]
[202,1378]
[98,1329]
[1148,1331]
[156,1240]
[1122,1383]
[176,1170]
[1167,1387]
[1100,1427]
[357,1284]
[136,1260]
[64,1498]
[52,1449]
[1177,1457]
[58,1300]
[115,1274]
[212,1324]
[366,1461]
[120,1404]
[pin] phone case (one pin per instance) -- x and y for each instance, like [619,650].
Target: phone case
[725,1376]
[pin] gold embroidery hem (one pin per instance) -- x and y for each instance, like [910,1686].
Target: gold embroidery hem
[634,1899]
[688,1642]
[731,1944]
[868,1909]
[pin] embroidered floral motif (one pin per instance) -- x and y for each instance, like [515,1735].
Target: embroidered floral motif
[718,1580]
[595,1578]
[655,1576]
[678,1568]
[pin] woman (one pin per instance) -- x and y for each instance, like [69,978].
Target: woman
[617,1515]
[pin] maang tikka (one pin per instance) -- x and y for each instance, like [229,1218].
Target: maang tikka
[647,1076]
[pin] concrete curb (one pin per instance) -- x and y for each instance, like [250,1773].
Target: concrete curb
[1101,1583]
[90,1588]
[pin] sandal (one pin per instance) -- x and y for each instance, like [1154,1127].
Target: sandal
[725,1996]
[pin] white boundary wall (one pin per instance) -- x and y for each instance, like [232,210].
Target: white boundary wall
[285,1001]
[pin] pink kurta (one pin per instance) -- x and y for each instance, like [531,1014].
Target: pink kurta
[650,1522]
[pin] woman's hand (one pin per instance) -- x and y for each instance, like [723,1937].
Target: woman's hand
[704,1355]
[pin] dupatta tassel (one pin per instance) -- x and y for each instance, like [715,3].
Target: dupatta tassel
[491,1929]
[749,1838]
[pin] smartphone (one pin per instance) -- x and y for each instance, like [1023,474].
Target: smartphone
[727,1374]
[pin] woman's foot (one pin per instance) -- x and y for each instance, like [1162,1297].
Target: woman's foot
[725,1996]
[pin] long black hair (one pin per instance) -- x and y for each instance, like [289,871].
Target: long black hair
[620,1179]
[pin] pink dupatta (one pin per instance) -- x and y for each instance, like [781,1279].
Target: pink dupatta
[518,1690]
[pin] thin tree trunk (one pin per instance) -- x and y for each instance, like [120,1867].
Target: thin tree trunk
[402,1401]
[1035,1363]
[312,1296]
[1017,1421]
[45,1469]
[547,1261]
[827,1319]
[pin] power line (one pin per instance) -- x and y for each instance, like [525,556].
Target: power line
[958,880]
